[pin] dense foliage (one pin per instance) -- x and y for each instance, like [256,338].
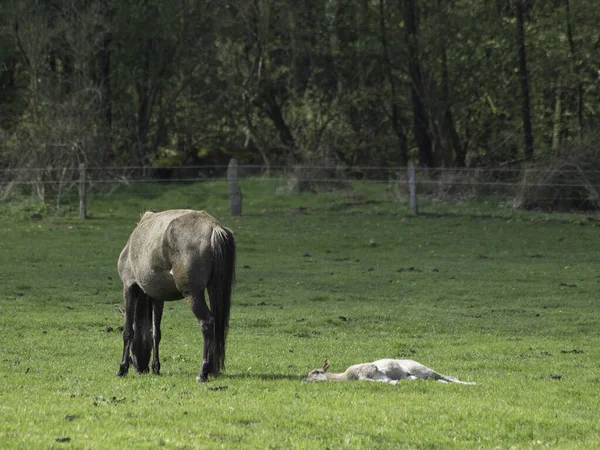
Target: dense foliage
[380,82]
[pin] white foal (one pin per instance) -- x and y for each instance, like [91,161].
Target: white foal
[383,370]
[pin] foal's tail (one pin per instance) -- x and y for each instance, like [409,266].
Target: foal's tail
[219,287]
[449,379]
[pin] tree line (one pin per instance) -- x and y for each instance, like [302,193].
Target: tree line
[442,83]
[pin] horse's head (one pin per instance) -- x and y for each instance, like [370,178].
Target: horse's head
[140,357]
[141,347]
[317,374]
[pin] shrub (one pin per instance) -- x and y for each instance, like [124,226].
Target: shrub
[569,181]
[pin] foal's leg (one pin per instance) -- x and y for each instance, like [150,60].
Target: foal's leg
[157,311]
[130,294]
[207,325]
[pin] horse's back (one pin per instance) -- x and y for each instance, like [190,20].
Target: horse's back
[164,249]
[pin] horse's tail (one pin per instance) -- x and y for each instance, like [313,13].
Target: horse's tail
[219,287]
[141,347]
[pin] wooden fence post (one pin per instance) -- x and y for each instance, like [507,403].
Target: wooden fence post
[233,185]
[82,189]
[412,188]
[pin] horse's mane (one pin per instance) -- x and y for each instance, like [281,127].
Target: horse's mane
[142,214]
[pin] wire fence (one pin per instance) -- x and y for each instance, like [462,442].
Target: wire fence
[532,186]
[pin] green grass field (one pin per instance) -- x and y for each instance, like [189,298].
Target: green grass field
[508,300]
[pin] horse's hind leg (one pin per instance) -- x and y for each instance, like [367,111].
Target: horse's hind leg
[130,294]
[157,311]
[207,325]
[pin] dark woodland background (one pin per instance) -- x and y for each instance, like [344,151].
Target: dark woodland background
[443,84]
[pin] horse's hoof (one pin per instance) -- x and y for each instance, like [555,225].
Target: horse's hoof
[121,373]
[156,368]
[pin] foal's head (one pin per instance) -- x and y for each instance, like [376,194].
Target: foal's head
[317,374]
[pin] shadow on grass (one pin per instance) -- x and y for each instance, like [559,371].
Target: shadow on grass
[530,216]
[261,376]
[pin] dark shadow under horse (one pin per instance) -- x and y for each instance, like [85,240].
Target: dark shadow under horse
[173,255]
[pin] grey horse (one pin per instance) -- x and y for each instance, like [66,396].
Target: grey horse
[172,255]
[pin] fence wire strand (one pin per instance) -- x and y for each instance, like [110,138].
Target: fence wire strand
[113,180]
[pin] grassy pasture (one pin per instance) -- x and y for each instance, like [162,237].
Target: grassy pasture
[474,290]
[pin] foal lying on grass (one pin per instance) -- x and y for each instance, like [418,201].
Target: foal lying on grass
[384,370]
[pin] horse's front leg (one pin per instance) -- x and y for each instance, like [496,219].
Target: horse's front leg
[130,296]
[207,325]
[157,311]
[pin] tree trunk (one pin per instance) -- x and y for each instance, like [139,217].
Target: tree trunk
[417,88]
[557,117]
[143,106]
[8,89]
[396,125]
[273,111]
[254,135]
[575,67]
[104,79]
[524,77]
[303,41]
[449,132]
